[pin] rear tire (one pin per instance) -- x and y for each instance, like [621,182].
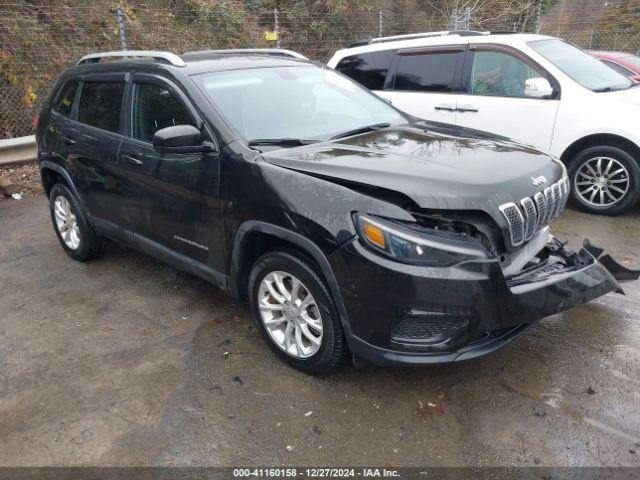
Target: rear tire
[605,180]
[76,235]
[279,282]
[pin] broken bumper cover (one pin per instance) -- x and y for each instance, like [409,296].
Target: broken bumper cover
[407,315]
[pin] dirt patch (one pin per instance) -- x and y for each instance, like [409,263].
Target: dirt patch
[25,178]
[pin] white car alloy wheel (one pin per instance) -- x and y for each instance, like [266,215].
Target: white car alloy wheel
[290,314]
[601,181]
[67,223]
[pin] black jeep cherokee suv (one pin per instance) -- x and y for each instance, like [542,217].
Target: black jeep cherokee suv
[349,226]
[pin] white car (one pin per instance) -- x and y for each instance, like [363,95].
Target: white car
[534,89]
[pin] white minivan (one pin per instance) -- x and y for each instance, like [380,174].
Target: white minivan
[534,89]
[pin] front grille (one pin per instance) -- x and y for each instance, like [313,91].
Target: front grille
[541,208]
[566,189]
[533,214]
[516,222]
[530,217]
[551,207]
[557,200]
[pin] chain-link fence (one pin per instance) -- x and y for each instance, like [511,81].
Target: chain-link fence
[38,41]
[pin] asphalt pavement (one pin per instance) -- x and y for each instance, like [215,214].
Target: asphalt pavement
[127,361]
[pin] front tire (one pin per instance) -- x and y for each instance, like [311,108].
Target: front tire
[604,180]
[76,235]
[295,313]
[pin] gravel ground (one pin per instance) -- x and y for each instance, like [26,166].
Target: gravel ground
[26,177]
[127,361]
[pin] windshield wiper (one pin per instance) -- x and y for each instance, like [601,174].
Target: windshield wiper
[611,89]
[356,131]
[281,142]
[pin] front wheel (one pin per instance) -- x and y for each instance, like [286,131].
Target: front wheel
[295,313]
[604,180]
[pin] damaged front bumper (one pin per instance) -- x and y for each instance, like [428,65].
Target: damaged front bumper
[408,315]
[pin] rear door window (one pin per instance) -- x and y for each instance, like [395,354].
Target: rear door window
[64,102]
[427,72]
[368,69]
[100,105]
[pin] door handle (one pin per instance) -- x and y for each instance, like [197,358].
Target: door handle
[131,160]
[467,108]
[68,141]
[446,106]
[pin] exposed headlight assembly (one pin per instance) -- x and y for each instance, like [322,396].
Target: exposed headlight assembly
[417,245]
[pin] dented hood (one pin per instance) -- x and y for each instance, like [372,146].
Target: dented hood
[437,168]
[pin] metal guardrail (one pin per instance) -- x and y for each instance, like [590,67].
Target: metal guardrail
[16,151]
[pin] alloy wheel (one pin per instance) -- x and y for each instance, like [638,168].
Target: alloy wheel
[290,314]
[67,222]
[601,181]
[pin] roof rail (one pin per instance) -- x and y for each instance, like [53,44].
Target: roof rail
[167,57]
[276,52]
[412,36]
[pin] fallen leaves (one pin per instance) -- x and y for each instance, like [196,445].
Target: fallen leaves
[21,180]
[430,408]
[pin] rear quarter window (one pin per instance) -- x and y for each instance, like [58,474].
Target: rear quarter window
[368,69]
[66,96]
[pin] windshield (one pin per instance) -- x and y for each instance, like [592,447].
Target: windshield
[294,102]
[588,71]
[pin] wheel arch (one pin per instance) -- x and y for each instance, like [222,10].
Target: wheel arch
[254,238]
[600,139]
[52,173]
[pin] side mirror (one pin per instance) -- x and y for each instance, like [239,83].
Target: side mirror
[180,139]
[538,88]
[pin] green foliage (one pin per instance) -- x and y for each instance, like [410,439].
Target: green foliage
[621,15]
[225,21]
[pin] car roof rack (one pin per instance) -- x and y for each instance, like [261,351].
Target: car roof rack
[412,36]
[166,57]
[276,52]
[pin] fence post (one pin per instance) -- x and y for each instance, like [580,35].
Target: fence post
[538,16]
[276,27]
[560,19]
[453,23]
[123,39]
[590,39]
[380,23]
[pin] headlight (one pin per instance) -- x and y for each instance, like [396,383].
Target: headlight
[413,244]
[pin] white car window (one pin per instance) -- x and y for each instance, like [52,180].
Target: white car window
[499,74]
[588,71]
[429,72]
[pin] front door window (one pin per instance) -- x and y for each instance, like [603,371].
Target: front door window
[499,74]
[155,108]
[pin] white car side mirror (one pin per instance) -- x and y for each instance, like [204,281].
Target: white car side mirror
[538,88]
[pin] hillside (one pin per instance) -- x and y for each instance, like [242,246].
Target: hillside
[39,38]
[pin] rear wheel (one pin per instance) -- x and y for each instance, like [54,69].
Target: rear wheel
[295,313]
[604,180]
[74,232]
